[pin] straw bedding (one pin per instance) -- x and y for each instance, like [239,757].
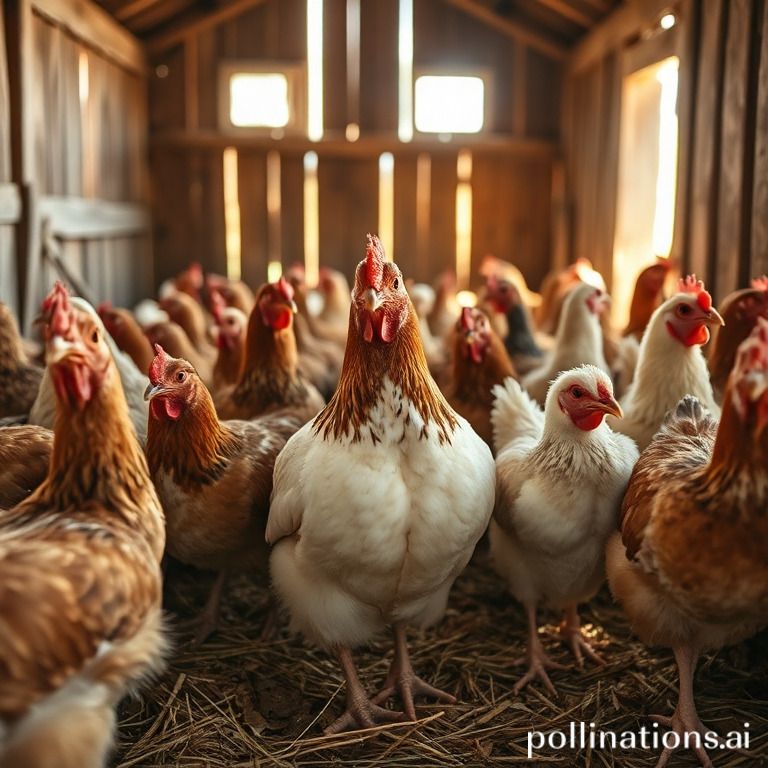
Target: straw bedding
[241,701]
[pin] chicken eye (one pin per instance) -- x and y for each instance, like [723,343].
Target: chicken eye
[95,336]
[577,392]
[180,376]
[396,284]
[684,309]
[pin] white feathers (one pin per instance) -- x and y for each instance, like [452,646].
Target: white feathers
[515,416]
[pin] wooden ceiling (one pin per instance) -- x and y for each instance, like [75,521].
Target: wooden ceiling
[556,23]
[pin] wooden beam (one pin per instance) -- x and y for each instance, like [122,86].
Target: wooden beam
[133,8]
[10,204]
[759,245]
[520,90]
[191,86]
[367,146]
[77,218]
[612,33]
[569,12]
[511,29]
[200,21]
[89,23]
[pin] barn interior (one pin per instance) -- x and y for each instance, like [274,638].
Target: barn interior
[249,137]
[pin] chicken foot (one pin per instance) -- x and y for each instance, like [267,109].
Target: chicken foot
[536,658]
[207,622]
[570,632]
[685,718]
[403,680]
[361,711]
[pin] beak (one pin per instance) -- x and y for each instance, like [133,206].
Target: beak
[372,299]
[713,317]
[292,305]
[610,405]
[59,348]
[154,390]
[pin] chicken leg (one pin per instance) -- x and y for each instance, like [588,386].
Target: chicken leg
[402,679]
[536,658]
[570,632]
[361,711]
[207,622]
[685,719]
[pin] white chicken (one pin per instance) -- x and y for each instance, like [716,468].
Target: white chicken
[579,339]
[379,501]
[560,476]
[670,364]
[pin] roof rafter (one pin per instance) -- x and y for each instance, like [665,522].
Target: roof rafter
[568,11]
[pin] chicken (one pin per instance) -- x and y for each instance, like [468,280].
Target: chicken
[423,299]
[740,311]
[232,327]
[647,297]
[25,452]
[336,297]
[378,503]
[80,601]
[670,363]
[234,292]
[134,382]
[479,363]
[270,380]
[560,476]
[557,285]
[502,299]
[19,381]
[213,477]
[189,281]
[127,333]
[579,339]
[446,307]
[492,268]
[190,315]
[172,337]
[689,565]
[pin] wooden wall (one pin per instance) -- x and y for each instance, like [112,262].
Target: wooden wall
[512,168]
[721,229]
[77,124]
[8,192]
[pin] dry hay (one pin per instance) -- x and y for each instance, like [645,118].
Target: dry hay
[237,701]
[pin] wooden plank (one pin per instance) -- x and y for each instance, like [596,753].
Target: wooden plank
[191,88]
[252,181]
[5,108]
[73,218]
[378,67]
[90,23]
[292,206]
[520,90]
[406,235]
[706,157]
[511,29]
[198,22]
[335,66]
[10,203]
[759,250]
[368,144]
[442,215]
[569,12]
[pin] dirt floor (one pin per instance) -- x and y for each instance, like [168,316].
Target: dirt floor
[236,701]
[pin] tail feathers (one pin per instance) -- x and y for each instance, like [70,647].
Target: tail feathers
[515,415]
[76,730]
[689,417]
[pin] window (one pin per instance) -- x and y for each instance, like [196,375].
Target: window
[262,97]
[449,104]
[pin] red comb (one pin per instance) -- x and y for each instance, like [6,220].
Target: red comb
[157,368]
[467,321]
[58,310]
[284,288]
[374,262]
[691,285]
[760,283]
[217,303]
[752,354]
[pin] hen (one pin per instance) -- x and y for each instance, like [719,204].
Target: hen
[213,477]
[647,297]
[134,382]
[479,363]
[172,337]
[379,501]
[740,311]
[270,380]
[19,381]
[560,476]
[80,581]
[127,333]
[232,326]
[690,565]
[25,452]
[670,363]
[579,339]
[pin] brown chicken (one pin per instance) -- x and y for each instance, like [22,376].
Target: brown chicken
[189,281]
[647,297]
[213,477]
[337,297]
[270,380]
[556,286]
[25,452]
[690,565]
[127,333]
[740,311]
[79,566]
[190,315]
[19,381]
[231,326]
[235,293]
[443,314]
[479,363]
[171,337]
